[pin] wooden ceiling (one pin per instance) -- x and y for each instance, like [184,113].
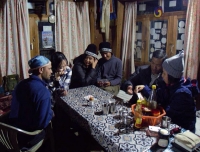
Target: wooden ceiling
[135,0]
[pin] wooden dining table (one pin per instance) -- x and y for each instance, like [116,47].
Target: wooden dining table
[104,128]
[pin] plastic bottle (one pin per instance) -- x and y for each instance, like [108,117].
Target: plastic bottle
[152,100]
[138,114]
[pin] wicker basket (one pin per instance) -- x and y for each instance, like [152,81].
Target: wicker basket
[150,120]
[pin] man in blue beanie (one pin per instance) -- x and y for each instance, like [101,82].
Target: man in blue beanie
[31,101]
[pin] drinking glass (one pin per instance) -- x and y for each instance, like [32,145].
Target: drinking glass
[105,108]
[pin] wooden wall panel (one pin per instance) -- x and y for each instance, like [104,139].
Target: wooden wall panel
[117,40]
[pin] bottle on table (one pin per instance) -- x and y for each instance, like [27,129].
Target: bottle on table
[138,114]
[152,100]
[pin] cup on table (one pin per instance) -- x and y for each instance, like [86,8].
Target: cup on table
[166,122]
[91,103]
[163,138]
[122,112]
[125,119]
[106,99]
[112,105]
[105,108]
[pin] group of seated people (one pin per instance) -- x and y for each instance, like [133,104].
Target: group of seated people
[87,70]
[31,102]
[174,93]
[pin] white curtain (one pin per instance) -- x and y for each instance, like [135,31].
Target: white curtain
[72,28]
[192,37]
[14,38]
[129,32]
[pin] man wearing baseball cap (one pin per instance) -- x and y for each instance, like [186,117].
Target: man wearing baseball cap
[110,70]
[31,101]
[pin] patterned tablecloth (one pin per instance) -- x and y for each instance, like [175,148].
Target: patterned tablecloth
[103,127]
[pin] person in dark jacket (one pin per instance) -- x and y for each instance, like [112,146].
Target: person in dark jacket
[110,70]
[31,101]
[176,95]
[84,71]
[145,75]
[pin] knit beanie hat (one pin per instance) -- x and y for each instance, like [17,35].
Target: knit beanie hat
[91,50]
[105,47]
[38,61]
[175,65]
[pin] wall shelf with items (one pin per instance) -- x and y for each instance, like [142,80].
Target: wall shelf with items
[41,23]
[46,38]
[37,7]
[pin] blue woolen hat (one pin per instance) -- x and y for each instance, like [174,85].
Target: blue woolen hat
[38,62]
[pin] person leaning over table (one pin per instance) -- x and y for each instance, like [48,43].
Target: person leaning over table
[61,76]
[84,71]
[176,95]
[31,102]
[146,75]
[110,68]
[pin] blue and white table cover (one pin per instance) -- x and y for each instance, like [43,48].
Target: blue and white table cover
[102,127]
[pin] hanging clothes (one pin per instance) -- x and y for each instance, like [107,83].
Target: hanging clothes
[107,13]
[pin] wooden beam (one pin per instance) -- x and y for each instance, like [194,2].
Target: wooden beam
[119,22]
[92,21]
[135,0]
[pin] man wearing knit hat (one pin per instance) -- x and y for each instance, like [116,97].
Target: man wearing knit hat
[84,71]
[31,101]
[176,95]
[110,69]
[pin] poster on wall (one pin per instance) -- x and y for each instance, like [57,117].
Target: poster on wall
[138,42]
[175,5]
[180,35]
[47,39]
[158,36]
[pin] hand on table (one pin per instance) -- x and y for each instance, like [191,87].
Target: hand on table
[100,83]
[62,92]
[106,84]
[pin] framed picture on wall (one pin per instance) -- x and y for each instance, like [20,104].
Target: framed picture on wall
[175,5]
